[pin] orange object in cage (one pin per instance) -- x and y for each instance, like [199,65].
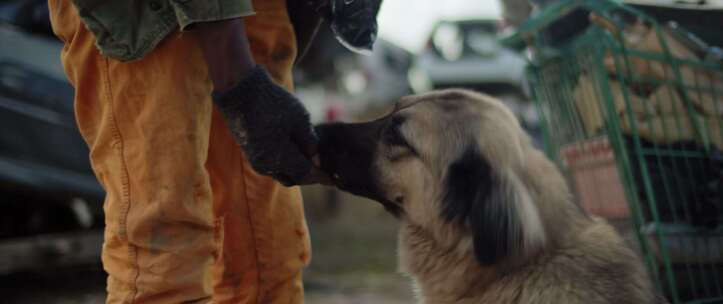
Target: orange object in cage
[593,170]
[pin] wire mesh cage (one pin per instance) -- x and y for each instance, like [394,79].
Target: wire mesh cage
[632,112]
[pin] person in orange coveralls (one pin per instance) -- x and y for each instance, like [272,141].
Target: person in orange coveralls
[193,134]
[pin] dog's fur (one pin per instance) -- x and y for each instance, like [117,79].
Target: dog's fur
[486,218]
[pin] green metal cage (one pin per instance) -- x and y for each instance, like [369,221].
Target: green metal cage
[632,113]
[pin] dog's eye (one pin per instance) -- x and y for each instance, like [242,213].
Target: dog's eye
[393,135]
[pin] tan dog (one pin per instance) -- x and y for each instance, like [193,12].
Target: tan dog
[486,218]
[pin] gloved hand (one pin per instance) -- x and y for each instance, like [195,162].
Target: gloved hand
[272,127]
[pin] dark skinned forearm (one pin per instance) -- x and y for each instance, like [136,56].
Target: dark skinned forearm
[226,50]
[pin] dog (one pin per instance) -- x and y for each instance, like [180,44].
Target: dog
[485,216]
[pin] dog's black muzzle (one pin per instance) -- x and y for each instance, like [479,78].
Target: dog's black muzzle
[347,152]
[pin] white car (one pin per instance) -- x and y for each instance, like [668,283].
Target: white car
[467,53]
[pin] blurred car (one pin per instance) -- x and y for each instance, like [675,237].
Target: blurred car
[466,53]
[332,79]
[40,146]
[377,79]
[51,201]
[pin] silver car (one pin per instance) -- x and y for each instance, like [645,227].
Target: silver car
[466,53]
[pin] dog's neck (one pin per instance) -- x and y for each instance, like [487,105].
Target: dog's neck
[433,259]
[433,265]
[453,276]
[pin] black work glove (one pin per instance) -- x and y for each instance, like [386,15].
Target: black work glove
[271,126]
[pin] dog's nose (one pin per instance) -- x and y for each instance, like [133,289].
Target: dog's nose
[327,148]
[346,142]
[346,152]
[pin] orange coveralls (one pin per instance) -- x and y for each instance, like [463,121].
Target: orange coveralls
[187,219]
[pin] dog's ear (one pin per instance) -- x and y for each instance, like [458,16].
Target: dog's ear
[497,209]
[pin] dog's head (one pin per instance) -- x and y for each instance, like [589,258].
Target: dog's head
[445,160]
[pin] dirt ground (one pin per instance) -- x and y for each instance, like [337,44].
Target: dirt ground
[354,244]
[354,261]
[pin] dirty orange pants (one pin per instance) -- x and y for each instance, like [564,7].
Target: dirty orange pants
[187,219]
